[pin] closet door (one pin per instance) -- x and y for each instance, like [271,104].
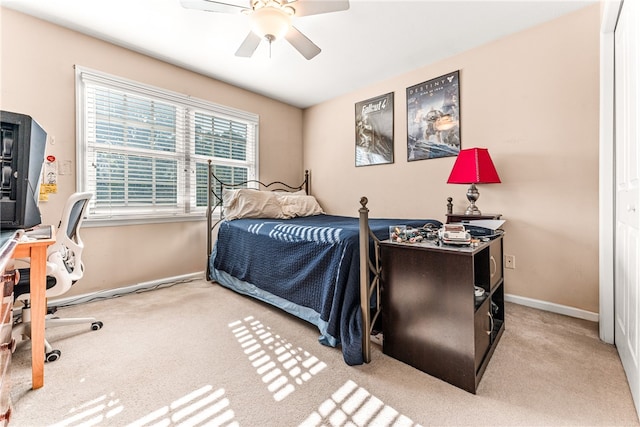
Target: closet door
[627,189]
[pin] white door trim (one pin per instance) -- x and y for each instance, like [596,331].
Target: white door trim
[610,12]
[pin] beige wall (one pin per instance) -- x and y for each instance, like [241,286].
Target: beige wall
[37,78]
[532,100]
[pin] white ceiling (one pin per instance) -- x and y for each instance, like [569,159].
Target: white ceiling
[372,41]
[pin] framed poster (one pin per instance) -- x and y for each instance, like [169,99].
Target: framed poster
[433,118]
[374,131]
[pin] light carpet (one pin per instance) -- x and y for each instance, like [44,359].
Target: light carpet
[198,354]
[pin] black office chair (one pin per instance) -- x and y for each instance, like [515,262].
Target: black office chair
[64,268]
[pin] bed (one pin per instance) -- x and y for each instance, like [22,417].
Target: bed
[318,267]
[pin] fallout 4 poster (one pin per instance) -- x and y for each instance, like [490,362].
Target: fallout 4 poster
[433,118]
[374,131]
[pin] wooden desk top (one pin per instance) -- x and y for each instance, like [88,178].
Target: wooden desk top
[24,248]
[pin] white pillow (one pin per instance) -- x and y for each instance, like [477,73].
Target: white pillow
[294,205]
[228,197]
[250,203]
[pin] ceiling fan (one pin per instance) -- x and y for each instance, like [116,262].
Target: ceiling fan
[271,20]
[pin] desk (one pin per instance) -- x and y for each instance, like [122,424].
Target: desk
[37,251]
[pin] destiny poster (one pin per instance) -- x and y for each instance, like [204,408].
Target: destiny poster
[433,118]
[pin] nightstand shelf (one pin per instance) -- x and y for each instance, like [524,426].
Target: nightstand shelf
[466,218]
[430,315]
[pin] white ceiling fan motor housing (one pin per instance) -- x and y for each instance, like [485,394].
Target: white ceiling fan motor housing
[270,22]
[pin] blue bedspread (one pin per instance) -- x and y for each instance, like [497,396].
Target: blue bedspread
[307,266]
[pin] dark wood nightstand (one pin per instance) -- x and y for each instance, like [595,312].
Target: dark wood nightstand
[432,319]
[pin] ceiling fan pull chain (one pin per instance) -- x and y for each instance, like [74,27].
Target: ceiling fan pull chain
[270,39]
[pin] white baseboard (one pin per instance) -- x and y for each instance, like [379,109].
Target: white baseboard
[552,307]
[170,281]
[111,293]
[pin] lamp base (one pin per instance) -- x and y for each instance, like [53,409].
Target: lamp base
[472,210]
[472,195]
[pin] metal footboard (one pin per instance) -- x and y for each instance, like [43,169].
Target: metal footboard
[369,280]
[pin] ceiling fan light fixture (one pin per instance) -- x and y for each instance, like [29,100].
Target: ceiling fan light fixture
[270,22]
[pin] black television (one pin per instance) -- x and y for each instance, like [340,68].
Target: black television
[22,146]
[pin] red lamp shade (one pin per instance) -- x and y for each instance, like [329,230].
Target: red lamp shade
[473,166]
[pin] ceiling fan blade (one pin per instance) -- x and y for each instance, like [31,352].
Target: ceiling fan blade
[249,45]
[316,7]
[212,6]
[306,47]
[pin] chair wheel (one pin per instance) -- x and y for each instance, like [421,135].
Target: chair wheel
[96,325]
[52,356]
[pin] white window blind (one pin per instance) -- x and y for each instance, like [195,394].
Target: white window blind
[143,151]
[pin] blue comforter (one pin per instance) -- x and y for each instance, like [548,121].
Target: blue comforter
[307,266]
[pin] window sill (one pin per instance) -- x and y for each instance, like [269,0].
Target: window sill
[121,222]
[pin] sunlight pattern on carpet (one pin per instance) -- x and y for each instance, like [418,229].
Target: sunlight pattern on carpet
[352,405]
[92,412]
[203,406]
[280,364]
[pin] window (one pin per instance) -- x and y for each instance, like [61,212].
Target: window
[144,151]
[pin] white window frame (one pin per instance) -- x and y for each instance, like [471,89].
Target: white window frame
[187,106]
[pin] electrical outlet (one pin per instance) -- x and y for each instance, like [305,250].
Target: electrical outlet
[509,261]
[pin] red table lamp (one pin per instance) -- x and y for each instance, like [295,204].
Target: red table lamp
[473,166]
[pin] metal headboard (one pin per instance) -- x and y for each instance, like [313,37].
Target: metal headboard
[214,197]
